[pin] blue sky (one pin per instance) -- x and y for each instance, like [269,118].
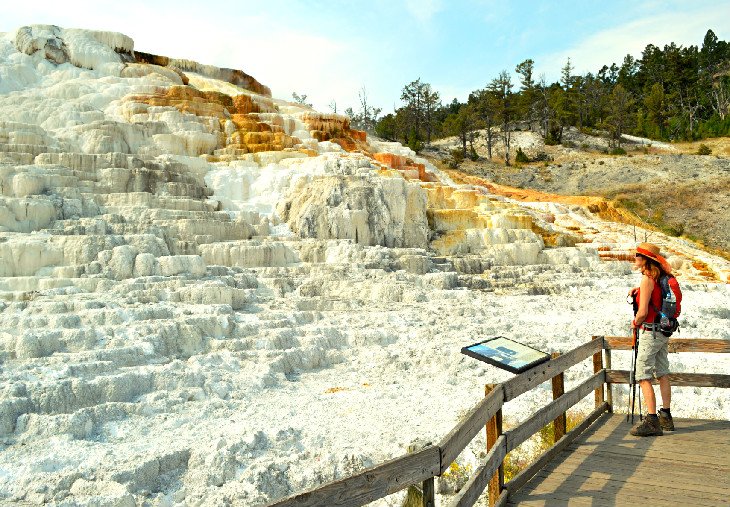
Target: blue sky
[329,50]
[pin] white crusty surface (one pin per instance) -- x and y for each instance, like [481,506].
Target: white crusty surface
[184,326]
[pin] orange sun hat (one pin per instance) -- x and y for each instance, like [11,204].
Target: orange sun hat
[651,251]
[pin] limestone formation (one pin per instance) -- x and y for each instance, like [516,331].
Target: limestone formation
[371,211]
[203,288]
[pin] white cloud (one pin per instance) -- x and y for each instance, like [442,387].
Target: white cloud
[283,53]
[609,46]
[424,10]
[449,92]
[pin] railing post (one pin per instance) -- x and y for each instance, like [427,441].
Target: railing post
[559,424]
[598,366]
[429,493]
[609,386]
[494,430]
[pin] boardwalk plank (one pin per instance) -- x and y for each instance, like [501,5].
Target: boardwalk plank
[687,455]
[613,492]
[625,496]
[599,499]
[608,466]
[581,480]
[621,463]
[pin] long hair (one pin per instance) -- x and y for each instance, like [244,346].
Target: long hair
[651,269]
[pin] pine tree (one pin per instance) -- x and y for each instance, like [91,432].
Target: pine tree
[619,118]
[502,89]
[528,95]
[656,111]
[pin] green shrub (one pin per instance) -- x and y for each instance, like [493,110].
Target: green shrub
[551,139]
[521,158]
[704,150]
[456,157]
[617,151]
[542,157]
[414,142]
[715,127]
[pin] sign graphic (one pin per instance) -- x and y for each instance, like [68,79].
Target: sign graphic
[506,354]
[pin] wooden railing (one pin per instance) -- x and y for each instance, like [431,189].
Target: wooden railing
[420,467]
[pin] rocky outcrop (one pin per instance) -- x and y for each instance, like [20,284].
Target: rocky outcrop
[370,211]
[233,76]
[191,273]
[83,48]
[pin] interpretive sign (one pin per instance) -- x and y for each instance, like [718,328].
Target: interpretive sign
[506,354]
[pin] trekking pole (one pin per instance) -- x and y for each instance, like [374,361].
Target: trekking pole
[641,418]
[632,374]
[631,380]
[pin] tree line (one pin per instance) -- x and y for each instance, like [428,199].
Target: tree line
[671,93]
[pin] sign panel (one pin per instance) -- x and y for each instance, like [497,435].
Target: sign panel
[506,354]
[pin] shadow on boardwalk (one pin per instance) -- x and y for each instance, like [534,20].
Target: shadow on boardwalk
[608,466]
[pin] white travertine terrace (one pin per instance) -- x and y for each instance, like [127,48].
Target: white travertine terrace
[210,296]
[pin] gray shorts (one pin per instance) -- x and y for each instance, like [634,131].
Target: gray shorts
[653,358]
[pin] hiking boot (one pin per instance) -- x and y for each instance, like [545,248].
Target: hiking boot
[666,421]
[649,427]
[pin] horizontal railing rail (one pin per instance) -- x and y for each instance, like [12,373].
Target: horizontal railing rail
[421,466]
[543,372]
[372,483]
[676,379]
[707,345]
[550,412]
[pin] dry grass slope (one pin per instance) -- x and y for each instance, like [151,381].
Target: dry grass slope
[677,192]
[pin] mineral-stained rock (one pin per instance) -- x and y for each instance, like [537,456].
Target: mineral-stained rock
[233,76]
[135,70]
[83,48]
[42,38]
[192,272]
[371,211]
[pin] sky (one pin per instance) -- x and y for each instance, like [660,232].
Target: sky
[332,50]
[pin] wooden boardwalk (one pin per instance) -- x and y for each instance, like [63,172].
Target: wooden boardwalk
[608,466]
[596,463]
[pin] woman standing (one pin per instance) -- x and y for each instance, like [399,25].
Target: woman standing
[652,358]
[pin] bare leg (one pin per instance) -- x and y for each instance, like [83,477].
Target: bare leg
[666,391]
[648,391]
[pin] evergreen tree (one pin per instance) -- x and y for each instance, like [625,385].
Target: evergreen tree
[485,105]
[431,103]
[502,89]
[413,96]
[619,117]
[387,128]
[462,125]
[670,92]
[526,106]
[300,99]
[656,112]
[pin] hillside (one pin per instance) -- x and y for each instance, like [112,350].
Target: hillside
[666,186]
[213,296]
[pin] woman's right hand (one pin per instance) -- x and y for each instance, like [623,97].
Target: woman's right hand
[633,291]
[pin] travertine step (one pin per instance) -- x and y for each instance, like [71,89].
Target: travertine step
[33,149]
